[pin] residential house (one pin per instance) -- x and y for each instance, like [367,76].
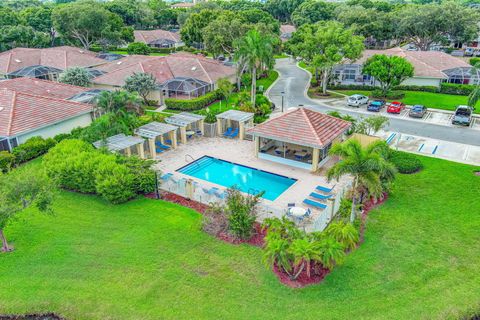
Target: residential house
[431,69]
[45,63]
[179,75]
[33,107]
[158,38]
[286,31]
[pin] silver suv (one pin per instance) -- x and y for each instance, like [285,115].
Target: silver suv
[463,115]
[357,100]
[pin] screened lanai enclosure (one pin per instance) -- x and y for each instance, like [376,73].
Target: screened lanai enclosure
[89,96]
[463,75]
[162,43]
[36,71]
[186,88]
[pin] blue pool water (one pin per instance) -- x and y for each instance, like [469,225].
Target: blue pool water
[246,179]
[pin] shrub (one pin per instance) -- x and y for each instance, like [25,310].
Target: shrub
[391,95]
[405,162]
[32,148]
[417,88]
[192,104]
[114,182]
[62,136]
[351,87]
[241,213]
[138,48]
[7,160]
[457,89]
[76,76]
[475,61]
[144,176]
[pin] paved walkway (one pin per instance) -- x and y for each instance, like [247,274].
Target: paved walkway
[294,82]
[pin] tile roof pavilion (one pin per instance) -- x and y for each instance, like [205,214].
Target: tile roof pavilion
[302,127]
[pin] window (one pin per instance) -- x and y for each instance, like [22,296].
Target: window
[349,74]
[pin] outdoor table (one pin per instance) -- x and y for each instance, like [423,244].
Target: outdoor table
[297,212]
[190,133]
[301,154]
[280,150]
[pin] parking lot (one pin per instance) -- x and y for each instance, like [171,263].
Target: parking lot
[439,117]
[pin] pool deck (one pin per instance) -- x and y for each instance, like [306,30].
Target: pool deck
[242,152]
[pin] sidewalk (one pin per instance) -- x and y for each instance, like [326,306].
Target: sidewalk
[457,152]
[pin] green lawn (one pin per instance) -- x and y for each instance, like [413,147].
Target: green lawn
[428,99]
[148,259]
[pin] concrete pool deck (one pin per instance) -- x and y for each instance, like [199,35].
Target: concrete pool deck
[242,152]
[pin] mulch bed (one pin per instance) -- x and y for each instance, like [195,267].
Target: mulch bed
[171,197]
[47,316]
[477,173]
[256,240]
[317,274]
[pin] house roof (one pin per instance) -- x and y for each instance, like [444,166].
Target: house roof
[178,65]
[42,88]
[57,57]
[182,5]
[22,112]
[431,64]
[302,126]
[287,28]
[149,36]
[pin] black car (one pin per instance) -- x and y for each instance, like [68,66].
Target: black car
[417,111]
[463,116]
[376,105]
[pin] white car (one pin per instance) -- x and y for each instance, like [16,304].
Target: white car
[357,100]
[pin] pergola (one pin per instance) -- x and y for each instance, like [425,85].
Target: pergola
[300,138]
[36,71]
[242,119]
[186,86]
[187,121]
[121,142]
[154,130]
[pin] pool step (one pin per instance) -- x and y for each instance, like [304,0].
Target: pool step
[197,166]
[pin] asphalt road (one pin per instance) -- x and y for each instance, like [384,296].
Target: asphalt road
[293,81]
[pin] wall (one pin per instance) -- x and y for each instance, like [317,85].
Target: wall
[62,127]
[419,81]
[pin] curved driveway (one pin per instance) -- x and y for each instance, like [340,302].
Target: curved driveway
[294,81]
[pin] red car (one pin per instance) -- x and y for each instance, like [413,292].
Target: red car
[396,107]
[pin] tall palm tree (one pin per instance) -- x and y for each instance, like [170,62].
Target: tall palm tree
[255,51]
[345,233]
[331,252]
[367,166]
[303,252]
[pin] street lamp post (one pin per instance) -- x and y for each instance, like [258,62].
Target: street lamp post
[283,95]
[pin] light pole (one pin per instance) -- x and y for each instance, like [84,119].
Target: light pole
[283,95]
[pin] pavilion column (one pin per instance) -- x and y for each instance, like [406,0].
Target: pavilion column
[128,152]
[257,146]
[153,151]
[315,159]
[141,150]
[202,126]
[241,133]
[162,141]
[183,134]
[173,137]
[219,127]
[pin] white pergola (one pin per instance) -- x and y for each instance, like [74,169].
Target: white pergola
[121,142]
[153,130]
[187,121]
[242,118]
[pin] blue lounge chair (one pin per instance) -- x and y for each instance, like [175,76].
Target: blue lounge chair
[324,189]
[212,191]
[291,204]
[159,150]
[166,176]
[199,133]
[168,141]
[160,145]
[234,134]
[314,204]
[228,132]
[320,196]
[220,194]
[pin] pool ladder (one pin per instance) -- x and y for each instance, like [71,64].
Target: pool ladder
[193,159]
[253,192]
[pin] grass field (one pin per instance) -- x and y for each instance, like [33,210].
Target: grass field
[148,259]
[428,99]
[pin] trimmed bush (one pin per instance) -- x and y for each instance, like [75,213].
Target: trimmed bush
[32,148]
[406,162]
[7,160]
[391,95]
[138,48]
[192,104]
[114,182]
[417,88]
[475,61]
[456,89]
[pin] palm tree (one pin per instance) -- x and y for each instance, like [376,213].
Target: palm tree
[255,51]
[366,165]
[303,252]
[331,252]
[345,233]
[276,250]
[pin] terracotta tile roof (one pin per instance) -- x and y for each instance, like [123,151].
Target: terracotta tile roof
[287,28]
[43,88]
[21,112]
[57,57]
[182,5]
[303,127]
[426,63]
[147,36]
[164,68]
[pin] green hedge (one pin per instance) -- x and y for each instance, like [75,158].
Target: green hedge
[475,61]
[77,166]
[7,161]
[32,148]
[351,87]
[406,162]
[391,95]
[417,88]
[456,89]
[192,104]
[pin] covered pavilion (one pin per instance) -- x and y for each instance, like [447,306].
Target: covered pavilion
[122,143]
[189,124]
[235,120]
[157,130]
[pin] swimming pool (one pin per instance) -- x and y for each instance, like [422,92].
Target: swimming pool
[246,179]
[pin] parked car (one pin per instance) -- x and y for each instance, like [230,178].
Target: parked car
[357,100]
[417,111]
[376,105]
[463,115]
[469,52]
[396,107]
